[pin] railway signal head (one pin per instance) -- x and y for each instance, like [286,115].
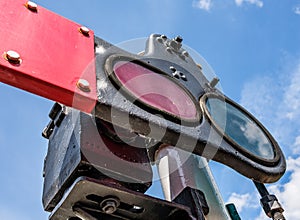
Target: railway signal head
[163,95]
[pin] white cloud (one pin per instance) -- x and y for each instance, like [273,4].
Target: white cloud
[203,4]
[288,194]
[296,145]
[292,95]
[258,3]
[240,200]
[297,10]
[277,105]
[275,101]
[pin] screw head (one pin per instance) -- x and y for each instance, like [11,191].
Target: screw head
[178,39]
[185,53]
[164,37]
[83,85]
[172,68]
[12,57]
[159,39]
[199,66]
[168,49]
[31,6]
[84,30]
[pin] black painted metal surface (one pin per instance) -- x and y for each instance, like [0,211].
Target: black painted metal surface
[201,137]
[88,194]
[78,147]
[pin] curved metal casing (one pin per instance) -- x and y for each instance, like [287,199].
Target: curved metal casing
[200,137]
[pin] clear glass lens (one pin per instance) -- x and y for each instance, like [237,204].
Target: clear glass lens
[240,128]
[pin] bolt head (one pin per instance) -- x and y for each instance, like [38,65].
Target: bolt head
[172,68]
[159,39]
[178,39]
[185,53]
[83,85]
[164,37]
[199,66]
[31,6]
[13,56]
[168,49]
[84,30]
[109,207]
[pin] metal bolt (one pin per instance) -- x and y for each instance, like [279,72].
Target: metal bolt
[164,37]
[110,205]
[172,68]
[84,30]
[182,76]
[31,6]
[12,57]
[185,53]
[168,49]
[178,39]
[159,39]
[83,85]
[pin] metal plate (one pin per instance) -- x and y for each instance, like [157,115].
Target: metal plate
[54,54]
[133,205]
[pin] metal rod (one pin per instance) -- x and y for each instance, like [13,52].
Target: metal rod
[261,188]
[179,169]
[82,214]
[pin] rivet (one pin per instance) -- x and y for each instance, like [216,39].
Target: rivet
[164,37]
[159,39]
[172,68]
[12,57]
[185,53]
[31,6]
[199,66]
[84,30]
[83,85]
[168,49]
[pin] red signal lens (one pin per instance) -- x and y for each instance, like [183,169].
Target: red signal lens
[155,90]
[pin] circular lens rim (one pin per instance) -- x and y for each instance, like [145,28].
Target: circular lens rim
[276,149]
[109,67]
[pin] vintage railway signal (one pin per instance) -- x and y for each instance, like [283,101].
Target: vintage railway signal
[143,91]
[131,106]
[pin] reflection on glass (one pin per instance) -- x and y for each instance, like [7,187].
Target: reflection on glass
[240,128]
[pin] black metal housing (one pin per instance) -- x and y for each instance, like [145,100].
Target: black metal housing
[78,147]
[201,138]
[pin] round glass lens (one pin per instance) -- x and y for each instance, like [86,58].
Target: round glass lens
[240,128]
[155,90]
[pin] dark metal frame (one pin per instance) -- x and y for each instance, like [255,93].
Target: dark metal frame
[276,149]
[109,67]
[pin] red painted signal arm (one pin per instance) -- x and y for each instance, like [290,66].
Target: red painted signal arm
[46,54]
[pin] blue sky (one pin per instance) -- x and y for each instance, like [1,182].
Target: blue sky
[253,46]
